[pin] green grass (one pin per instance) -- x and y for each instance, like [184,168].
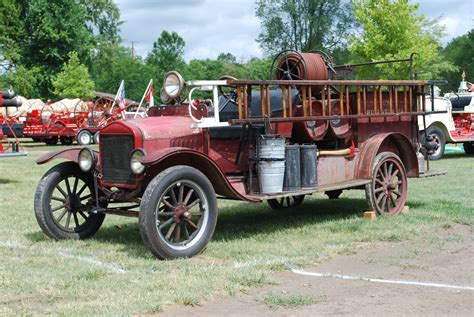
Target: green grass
[276,300]
[114,274]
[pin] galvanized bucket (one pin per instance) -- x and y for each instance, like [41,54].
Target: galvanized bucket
[270,176]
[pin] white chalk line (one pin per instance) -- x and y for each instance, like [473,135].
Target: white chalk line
[377,280]
[111,267]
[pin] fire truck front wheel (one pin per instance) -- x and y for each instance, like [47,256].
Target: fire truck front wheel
[178,213]
[439,138]
[64,203]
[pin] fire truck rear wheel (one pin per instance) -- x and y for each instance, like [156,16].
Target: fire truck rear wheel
[84,137]
[63,203]
[468,147]
[387,192]
[178,213]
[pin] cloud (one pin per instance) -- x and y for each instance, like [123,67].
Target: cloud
[210,27]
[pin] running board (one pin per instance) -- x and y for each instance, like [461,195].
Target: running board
[432,173]
[323,188]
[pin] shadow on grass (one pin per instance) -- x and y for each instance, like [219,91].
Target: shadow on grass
[240,221]
[247,221]
[8,181]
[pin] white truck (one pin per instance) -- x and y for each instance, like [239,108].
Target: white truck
[456,125]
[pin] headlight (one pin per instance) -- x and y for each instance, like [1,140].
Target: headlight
[173,84]
[135,164]
[87,159]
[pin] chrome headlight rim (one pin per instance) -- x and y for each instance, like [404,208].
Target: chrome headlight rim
[173,84]
[86,159]
[136,166]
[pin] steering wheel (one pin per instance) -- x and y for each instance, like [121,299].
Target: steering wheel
[228,92]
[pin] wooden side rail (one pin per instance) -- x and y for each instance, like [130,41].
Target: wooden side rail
[339,98]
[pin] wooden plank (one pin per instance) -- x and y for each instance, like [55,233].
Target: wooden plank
[341,100]
[310,98]
[323,99]
[358,100]
[269,111]
[290,101]
[262,97]
[246,100]
[239,100]
[283,101]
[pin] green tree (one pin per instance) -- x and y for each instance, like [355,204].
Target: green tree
[74,80]
[167,54]
[115,64]
[303,25]
[24,81]
[392,29]
[459,51]
[11,31]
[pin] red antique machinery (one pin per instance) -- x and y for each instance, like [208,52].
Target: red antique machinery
[68,120]
[275,141]
[12,148]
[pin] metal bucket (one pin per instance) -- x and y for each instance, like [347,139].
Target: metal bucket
[292,179]
[271,163]
[270,176]
[309,166]
[270,147]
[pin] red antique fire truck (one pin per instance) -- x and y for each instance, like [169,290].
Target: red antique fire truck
[276,141]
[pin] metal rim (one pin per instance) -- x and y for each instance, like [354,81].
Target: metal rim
[182,214]
[389,187]
[69,206]
[438,143]
[85,138]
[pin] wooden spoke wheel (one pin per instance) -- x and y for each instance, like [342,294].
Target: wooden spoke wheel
[178,213]
[286,202]
[64,201]
[387,193]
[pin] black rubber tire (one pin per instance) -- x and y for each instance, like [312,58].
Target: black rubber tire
[96,137]
[66,140]
[84,137]
[286,202]
[157,188]
[51,141]
[43,199]
[380,159]
[438,134]
[334,194]
[468,148]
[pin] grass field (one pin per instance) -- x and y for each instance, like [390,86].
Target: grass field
[113,273]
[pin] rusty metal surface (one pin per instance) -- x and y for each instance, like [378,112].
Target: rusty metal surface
[333,169]
[390,141]
[301,66]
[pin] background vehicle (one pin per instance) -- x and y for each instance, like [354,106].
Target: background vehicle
[274,141]
[12,148]
[456,125]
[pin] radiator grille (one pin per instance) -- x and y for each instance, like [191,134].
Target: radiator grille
[115,155]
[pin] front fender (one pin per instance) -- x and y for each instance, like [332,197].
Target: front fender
[160,160]
[68,154]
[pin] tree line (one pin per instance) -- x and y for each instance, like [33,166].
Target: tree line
[52,49]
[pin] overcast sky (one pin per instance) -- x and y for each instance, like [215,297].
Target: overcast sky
[210,27]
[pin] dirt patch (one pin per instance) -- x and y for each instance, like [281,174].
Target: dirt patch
[444,258]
